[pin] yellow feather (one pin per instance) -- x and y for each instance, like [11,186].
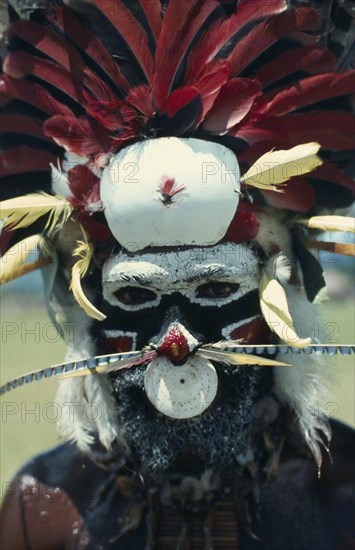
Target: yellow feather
[13,264]
[276,167]
[84,250]
[346,249]
[330,223]
[247,359]
[274,307]
[24,211]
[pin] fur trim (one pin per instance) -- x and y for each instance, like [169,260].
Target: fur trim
[304,386]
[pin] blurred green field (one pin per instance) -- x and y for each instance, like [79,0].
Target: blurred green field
[29,341]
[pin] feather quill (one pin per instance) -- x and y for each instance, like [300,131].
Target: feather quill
[330,223]
[13,264]
[232,358]
[85,251]
[122,364]
[277,167]
[24,211]
[346,249]
[274,307]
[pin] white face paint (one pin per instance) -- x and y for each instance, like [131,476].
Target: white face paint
[226,332]
[186,271]
[178,383]
[170,192]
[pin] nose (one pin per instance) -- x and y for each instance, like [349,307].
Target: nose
[175,340]
[177,343]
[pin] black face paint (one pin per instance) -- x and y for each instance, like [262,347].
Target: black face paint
[209,290]
[207,296]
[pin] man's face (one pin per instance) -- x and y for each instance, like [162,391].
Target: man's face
[206,295]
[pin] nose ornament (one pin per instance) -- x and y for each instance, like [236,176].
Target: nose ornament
[185,390]
[177,343]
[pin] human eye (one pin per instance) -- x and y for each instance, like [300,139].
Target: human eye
[217,290]
[132,295]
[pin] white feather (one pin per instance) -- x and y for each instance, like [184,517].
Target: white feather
[303,387]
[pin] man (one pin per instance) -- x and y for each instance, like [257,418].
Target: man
[197,432]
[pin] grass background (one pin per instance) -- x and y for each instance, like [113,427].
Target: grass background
[29,341]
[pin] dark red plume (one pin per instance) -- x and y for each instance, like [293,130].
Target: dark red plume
[90,78]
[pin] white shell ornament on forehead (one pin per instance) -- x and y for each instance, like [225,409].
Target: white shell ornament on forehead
[170,192]
[183,391]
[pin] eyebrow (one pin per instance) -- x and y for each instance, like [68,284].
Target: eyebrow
[201,272]
[130,274]
[156,275]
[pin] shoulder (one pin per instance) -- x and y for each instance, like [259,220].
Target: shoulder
[67,469]
[302,510]
[45,505]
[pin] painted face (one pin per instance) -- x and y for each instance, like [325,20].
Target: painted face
[174,301]
[212,292]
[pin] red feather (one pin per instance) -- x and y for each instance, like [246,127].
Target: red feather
[254,152]
[84,184]
[98,232]
[298,196]
[49,43]
[74,134]
[6,236]
[334,130]
[20,64]
[152,10]
[182,21]
[64,20]
[265,34]
[97,87]
[210,83]
[53,45]
[232,105]
[130,30]
[308,58]
[21,124]
[330,172]
[309,91]
[244,226]
[178,99]
[141,98]
[30,93]
[169,188]
[211,44]
[265,130]
[106,113]
[25,159]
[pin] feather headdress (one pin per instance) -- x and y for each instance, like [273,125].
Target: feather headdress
[91,86]
[97,77]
